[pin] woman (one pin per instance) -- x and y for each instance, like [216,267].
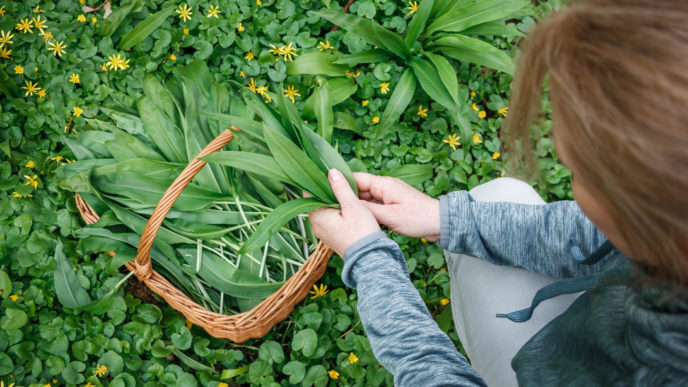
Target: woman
[619,92]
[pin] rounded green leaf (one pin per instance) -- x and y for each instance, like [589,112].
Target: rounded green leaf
[13,319]
[296,371]
[305,341]
[271,351]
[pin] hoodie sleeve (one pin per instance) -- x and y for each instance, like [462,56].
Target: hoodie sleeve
[539,238]
[403,335]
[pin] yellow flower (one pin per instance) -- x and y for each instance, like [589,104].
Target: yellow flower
[32,181]
[474,106]
[291,92]
[5,53]
[173,57]
[184,12]
[263,91]
[259,3]
[18,69]
[422,112]
[352,74]
[38,23]
[476,139]
[241,28]
[56,158]
[213,11]
[89,384]
[2,11]
[77,111]
[384,87]
[14,297]
[365,103]
[82,1]
[472,94]
[413,7]
[249,56]
[17,195]
[252,85]
[35,69]
[452,141]
[30,88]
[74,78]
[6,37]
[41,94]
[322,46]
[38,10]
[482,114]
[319,291]
[101,370]
[352,358]
[30,164]
[58,48]
[222,384]
[94,20]
[81,18]
[444,301]
[423,240]
[117,62]
[495,155]
[24,26]
[104,66]
[189,324]
[185,31]
[288,52]
[242,74]
[47,36]
[502,111]
[376,120]
[333,374]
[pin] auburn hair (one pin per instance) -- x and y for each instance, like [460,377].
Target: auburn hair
[618,77]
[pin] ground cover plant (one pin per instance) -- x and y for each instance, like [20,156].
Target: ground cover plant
[65,69]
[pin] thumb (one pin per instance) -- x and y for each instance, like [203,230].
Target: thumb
[341,189]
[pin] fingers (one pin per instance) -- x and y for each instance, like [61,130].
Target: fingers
[340,186]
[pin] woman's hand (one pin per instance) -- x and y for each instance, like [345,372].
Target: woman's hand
[339,229]
[399,206]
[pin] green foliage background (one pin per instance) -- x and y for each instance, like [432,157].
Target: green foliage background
[42,342]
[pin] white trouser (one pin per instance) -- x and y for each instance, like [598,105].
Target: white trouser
[480,290]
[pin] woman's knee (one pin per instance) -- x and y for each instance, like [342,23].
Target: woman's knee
[506,189]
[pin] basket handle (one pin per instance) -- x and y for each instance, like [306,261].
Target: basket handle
[143,268]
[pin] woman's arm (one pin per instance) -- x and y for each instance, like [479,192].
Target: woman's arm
[539,238]
[404,337]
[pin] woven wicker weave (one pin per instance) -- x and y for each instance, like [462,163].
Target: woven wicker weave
[254,323]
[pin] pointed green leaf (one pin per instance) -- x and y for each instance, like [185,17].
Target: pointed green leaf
[144,28]
[340,90]
[447,75]
[366,56]
[323,112]
[466,16]
[431,82]
[67,287]
[417,24]
[398,101]
[118,15]
[331,158]
[474,50]
[296,164]
[369,31]
[250,162]
[165,133]
[278,218]
[250,127]
[495,28]
[314,63]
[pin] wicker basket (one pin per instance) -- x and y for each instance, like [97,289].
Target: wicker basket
[254,323]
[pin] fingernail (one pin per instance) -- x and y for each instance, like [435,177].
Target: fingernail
[334,175]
